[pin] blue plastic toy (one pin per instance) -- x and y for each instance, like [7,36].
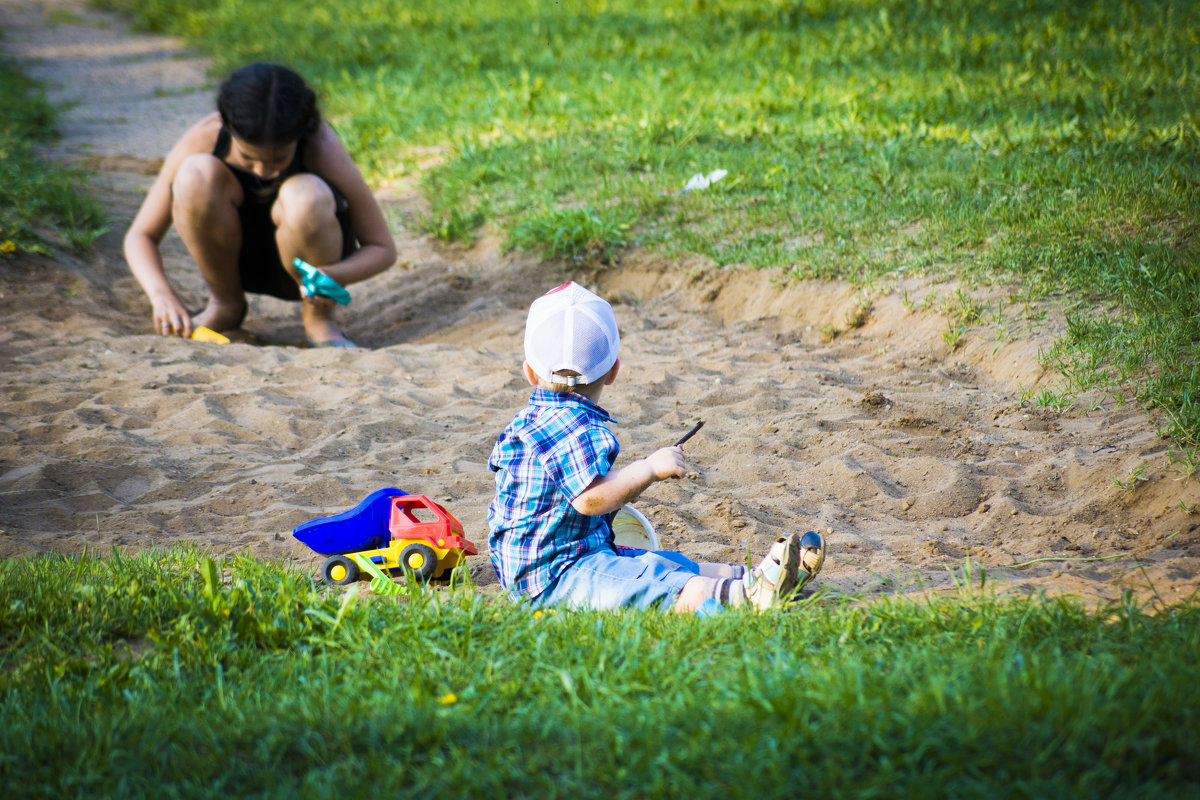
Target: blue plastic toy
[390,532]
[364,527]
[318,284]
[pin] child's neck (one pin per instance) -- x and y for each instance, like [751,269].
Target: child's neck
[592,391]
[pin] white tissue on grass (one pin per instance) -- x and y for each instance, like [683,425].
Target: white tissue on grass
[700,181]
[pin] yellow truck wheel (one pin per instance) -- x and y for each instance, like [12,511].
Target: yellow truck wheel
[420,560]
[339,571]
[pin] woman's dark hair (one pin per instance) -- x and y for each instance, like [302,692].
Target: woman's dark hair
[266,104]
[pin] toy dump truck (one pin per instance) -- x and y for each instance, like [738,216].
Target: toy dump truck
[399,532]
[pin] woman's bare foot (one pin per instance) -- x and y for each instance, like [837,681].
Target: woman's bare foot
[319,325]
[221,316]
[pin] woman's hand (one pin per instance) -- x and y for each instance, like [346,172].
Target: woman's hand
[171,318]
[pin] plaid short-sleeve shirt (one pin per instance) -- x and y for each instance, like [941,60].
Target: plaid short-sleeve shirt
[551,451]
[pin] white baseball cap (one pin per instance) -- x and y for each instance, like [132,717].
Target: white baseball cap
[570,328]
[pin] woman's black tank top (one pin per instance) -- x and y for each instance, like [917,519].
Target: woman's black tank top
[261,191]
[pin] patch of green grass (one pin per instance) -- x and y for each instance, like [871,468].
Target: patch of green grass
[454,225]
[40,203]
[171,673]
[1047,398]
[1043,142]
[576,233]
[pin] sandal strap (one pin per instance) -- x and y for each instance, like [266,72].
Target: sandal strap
[770,570]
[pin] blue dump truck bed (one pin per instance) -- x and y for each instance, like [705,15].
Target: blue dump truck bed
[364,527]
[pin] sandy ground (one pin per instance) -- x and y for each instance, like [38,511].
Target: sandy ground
[911,456]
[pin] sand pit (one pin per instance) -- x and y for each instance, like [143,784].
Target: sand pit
[912,456]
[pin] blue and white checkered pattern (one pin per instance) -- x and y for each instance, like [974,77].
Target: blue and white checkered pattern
[546,457]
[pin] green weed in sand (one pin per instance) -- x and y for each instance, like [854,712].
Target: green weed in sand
[174,674]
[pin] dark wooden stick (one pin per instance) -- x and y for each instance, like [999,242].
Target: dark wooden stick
[690,433]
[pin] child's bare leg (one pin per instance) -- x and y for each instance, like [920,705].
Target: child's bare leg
[712,570]
[204,205]
[305,215]
[776,576]
[693,593]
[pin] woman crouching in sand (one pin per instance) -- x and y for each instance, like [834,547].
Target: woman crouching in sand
[261,181]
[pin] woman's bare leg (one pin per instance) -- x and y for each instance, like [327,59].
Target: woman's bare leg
[305,216]
[204,204]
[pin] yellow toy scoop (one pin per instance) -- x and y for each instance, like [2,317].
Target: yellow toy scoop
[203,334]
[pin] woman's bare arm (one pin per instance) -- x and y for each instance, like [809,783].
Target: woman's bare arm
[327,158]
[153,220]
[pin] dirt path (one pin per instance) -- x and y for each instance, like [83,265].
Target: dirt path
[913,456]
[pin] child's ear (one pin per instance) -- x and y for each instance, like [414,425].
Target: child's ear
[530,375]
[612,373]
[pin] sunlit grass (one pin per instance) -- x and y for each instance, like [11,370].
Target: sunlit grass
[172,673]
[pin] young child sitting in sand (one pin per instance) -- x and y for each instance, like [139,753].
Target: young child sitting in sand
[551,536]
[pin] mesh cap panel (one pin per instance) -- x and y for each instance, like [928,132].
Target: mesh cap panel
[572,329]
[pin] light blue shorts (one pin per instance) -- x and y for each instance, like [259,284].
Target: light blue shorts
[631,578]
